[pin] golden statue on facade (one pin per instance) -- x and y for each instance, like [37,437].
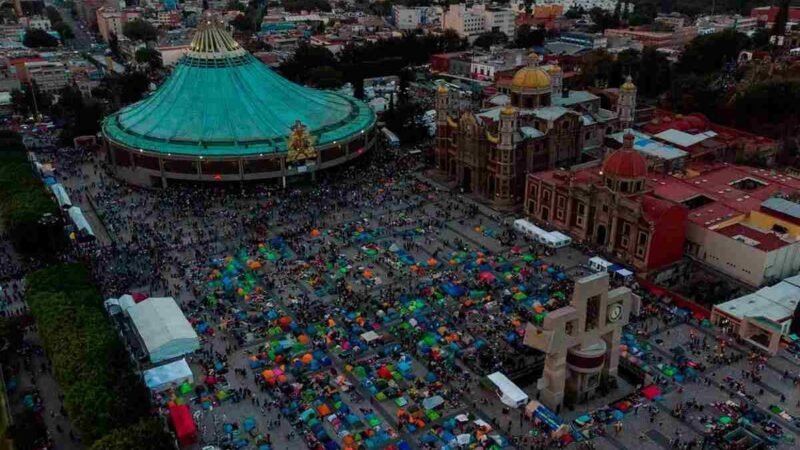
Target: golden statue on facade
[300,144]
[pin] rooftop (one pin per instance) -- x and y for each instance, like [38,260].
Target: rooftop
[643,143]
[222,101]
[730,190]
[753,237]
[775,303]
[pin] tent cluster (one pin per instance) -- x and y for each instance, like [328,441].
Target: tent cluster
[464,431]
[231,275]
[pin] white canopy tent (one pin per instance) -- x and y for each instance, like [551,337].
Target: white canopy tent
[80,221]
[531,230]
[61,195]
[163,329]
[558,239]
[510,394]
[168,375]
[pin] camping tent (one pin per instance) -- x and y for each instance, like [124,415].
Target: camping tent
[509,393]
[172,374]
[163,329]
[182,422]
[61,195]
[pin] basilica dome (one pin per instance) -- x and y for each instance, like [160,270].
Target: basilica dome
[531,78]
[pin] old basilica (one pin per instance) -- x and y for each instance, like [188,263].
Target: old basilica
[541,126]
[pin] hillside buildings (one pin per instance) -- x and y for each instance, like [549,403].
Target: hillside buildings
[477,19]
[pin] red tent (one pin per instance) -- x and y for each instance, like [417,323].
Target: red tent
[183,424]
[651,392]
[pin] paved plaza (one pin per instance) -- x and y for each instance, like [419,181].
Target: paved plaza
[357,311]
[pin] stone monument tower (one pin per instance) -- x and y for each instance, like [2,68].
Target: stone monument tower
[581,340]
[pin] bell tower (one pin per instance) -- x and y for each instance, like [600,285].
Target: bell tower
[626,103]
[556,79]
[506,171]
[442,105]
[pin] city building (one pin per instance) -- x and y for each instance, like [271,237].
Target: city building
[588,40]
[674,19]
[411,18]
[110,22]
[705,141]
[767,14]
[678,38]
[36,23]
[722,22]
[581,341]
[87,9]
[47,76]
[742,221]
[171,54]
[542,126]
[224,116]
[478,19]
[547,16]
[762,318]
[613,207]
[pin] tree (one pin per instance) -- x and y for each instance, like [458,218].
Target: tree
[490,38]
[235,5]
[23,100]
[643,13]
[574,12]
[779,27]
[90,364]
[709,53]
[242,23]
[655,73]
[148,434]
[29,432]
[596,69]
[64,30]
[770,108]
[307,5]
[81,116]
[149,56]
[140,30]
[39,39]
[603,19]
[528,37]
[305,58]
[324,77]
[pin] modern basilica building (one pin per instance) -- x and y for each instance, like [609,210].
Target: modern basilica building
[224,116]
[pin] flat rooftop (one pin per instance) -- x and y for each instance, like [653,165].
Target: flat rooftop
[775,303]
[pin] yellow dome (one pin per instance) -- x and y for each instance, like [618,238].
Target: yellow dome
[531,78]
[442,89]
[553,68]
[508,110]
[628,86]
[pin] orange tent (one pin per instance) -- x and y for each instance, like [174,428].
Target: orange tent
[315,232]
[307,358]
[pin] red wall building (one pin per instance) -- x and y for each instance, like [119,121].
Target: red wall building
[612,207]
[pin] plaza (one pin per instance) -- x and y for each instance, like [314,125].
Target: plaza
[368,311]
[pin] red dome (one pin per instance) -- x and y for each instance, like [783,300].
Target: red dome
[625,163]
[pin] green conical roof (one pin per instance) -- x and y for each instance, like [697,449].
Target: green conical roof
[221,101]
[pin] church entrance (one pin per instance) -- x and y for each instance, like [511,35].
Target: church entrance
[600,236]
[466,179]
